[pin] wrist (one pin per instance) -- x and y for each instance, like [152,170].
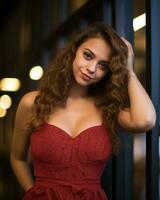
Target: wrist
[131,73]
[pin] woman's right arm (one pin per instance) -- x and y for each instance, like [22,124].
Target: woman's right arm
[20,141]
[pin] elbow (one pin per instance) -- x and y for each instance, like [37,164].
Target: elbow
[151,122]
[148,123]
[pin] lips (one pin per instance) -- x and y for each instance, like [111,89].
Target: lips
[85,76]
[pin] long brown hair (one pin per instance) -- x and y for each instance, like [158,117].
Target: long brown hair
[111,93]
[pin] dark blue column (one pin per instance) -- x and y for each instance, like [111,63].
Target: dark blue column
[153,88]
[122,21]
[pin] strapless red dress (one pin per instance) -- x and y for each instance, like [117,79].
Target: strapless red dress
[68,168]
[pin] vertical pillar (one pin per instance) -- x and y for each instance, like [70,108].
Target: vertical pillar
[122,21]
[153,88]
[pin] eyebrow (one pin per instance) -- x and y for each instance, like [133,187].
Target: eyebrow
[106,61]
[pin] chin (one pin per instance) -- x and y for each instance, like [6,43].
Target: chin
[81,82]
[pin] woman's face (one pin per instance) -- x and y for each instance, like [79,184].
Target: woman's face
[91,62]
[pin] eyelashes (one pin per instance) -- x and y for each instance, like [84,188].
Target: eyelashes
[104,65]
[88,56]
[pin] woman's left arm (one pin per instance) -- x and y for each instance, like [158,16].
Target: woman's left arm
[141,116]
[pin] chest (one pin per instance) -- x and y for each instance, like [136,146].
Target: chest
[50,144]
[76,117]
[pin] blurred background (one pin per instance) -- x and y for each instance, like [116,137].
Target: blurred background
[31,32]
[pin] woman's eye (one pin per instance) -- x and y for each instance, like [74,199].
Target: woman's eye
[87,55]
[104,65]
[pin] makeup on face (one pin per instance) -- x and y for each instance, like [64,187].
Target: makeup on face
[89,54]
[91,62]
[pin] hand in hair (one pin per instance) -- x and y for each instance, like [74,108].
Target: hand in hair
[130,61]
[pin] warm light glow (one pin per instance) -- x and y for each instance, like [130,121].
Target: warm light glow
[10,84]
[5,102]
[36,73]
[139,22]
[3,112]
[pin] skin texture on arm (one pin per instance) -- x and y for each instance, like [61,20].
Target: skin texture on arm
[141,116]
[20,141]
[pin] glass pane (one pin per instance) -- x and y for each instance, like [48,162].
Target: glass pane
[140,139]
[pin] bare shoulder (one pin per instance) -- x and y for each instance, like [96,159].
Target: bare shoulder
[21,133]
[28,99]
[24,109]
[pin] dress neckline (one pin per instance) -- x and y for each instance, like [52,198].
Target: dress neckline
[77,135]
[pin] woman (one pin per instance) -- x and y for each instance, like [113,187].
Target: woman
[71,122]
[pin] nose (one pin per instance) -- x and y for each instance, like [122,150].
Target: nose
[91,68]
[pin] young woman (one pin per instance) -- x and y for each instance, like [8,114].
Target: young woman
[69,126]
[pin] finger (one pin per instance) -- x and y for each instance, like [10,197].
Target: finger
[129,46]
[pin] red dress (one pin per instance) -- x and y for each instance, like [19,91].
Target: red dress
[67,168]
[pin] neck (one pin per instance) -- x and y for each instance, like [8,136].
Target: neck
[78,91]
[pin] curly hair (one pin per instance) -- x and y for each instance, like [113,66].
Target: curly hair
[111,93]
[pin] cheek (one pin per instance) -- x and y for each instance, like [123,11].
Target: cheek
[75,62]
[75,67]
[101,74]
[78,63]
